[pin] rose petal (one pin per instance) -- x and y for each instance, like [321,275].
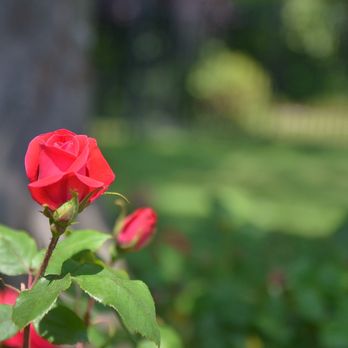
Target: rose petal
[61,162]
[93,185]
[64,132]
[67,143]
[98,167]
[8,296]
[47,191]
[79,165]
[55,191]
[138,228]
[54,161]
[37,341]
[32,155]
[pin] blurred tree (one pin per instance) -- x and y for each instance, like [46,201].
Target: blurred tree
[300,42]
[44,85]
[144,51]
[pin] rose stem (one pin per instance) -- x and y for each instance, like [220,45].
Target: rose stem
[26,338]
[87,316]
[49,251]
[30,279]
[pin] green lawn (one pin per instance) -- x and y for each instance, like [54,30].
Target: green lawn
[274,186]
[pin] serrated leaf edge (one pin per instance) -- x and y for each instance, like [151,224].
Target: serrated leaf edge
[39,317]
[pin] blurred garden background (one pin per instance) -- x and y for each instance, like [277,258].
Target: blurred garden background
[230,118]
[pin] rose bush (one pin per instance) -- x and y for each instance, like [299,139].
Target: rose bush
[66,172]
[61,162]
[137,229]
[8,297]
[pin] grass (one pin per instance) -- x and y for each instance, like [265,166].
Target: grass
[272,185]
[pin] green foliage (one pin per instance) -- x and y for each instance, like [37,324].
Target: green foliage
[259,182]
[74,259]
[130,298]
[17,250]
[232,83]
[34,303]
[299,42]
[314,26]
[233,283]
[7,327]
[269,290]
[62,326]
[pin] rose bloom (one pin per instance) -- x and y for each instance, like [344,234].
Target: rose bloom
[61,162]
[137,229]
[9,296]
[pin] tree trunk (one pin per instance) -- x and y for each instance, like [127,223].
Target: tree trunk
[44,85]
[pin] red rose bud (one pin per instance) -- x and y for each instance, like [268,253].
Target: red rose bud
[8,297]
[61,162]
[137,229]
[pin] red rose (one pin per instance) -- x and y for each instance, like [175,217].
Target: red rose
[137,229]
[61,162]
[8,296]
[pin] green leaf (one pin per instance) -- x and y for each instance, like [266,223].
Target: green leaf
[7,326]
[130,298]
[36,302]
[73,244]
[62,326]
[17,249]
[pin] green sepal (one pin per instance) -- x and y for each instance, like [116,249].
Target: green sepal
[85,202]
[121,204]
[66,213]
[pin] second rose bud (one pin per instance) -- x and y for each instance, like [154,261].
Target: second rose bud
[137,229]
